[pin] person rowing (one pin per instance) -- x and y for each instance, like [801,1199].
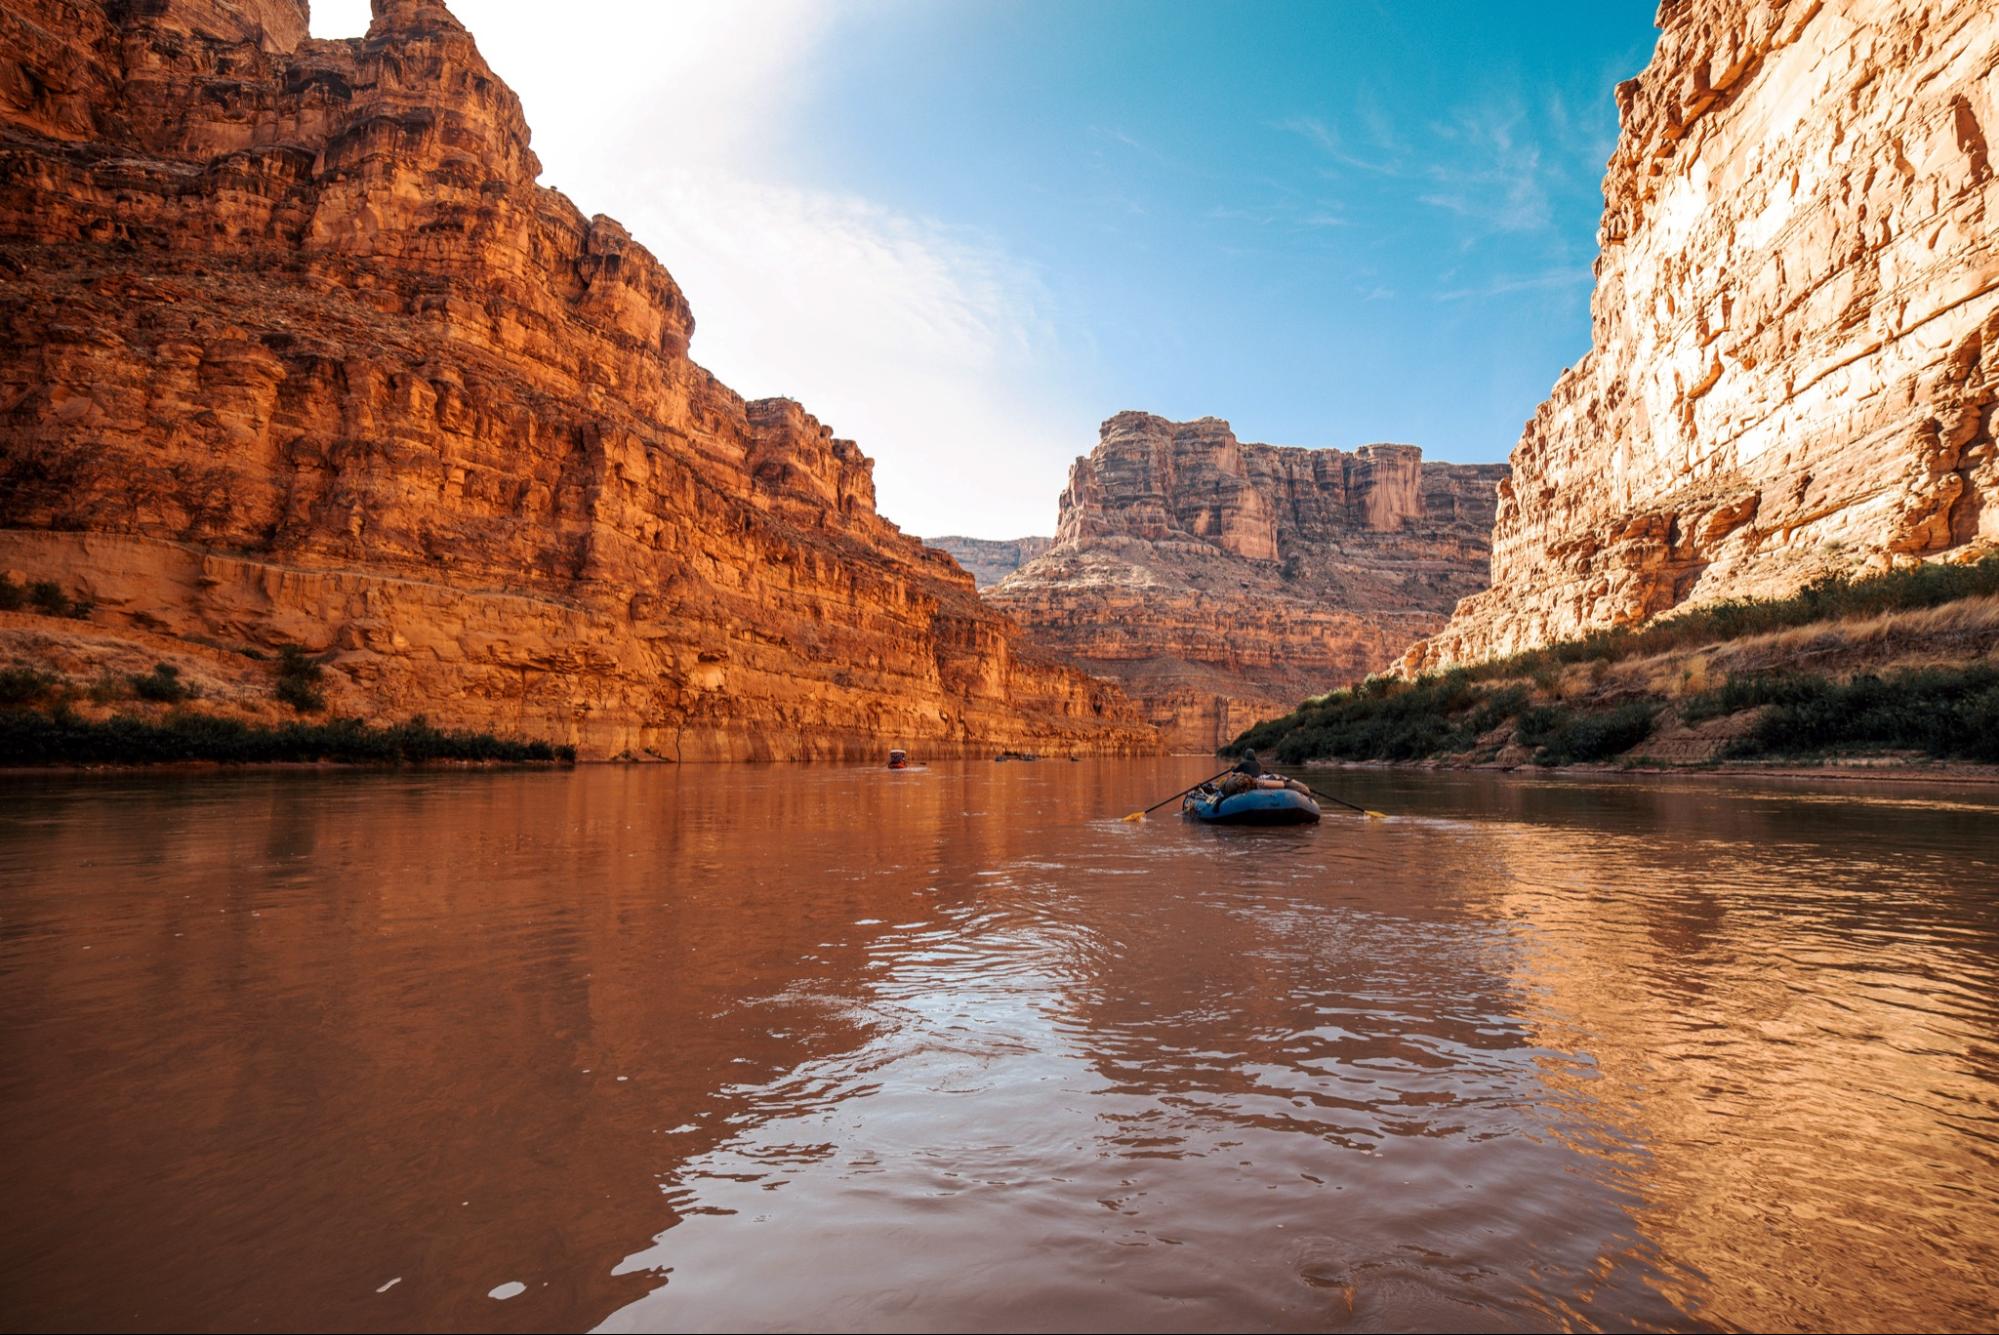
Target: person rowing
[1205,798]
[1250,775]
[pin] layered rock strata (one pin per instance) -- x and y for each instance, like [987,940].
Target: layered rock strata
[990,560]
[294,349]
[1795,350]
[1222,581]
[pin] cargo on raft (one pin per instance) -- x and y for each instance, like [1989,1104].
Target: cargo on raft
[1259,802]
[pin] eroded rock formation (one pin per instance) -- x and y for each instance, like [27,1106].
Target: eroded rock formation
[294,349]
[1796,325]
[1221,581]
[991,560]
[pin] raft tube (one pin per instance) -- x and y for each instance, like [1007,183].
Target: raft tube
[1259,806]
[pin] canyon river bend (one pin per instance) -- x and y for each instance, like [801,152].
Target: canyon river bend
[817,1047]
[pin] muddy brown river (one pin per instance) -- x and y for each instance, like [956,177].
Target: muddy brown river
[955,1049]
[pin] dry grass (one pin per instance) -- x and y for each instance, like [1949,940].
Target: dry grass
[1895,661]
[1951,634]
[83,655]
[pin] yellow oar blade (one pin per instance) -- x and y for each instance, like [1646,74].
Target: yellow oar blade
[1136,815]
[1376,815]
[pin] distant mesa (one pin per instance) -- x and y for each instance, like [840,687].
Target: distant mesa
[991,560]
[1219,581]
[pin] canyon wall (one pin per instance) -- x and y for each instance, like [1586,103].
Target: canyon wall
[1222,581]
[1795,348]
[990,560]
[294,350]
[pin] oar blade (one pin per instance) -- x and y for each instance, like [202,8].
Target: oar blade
[1140,815]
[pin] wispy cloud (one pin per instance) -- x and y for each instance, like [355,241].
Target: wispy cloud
[1497,177]
[1507,285]
[921,340]
[928,343]
[1488,162]
[1333,146]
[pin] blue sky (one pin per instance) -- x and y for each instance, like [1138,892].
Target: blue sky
[965,233]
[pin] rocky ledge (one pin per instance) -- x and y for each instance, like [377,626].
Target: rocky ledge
[293,350]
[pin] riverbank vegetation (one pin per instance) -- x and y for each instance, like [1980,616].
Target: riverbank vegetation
[59,737]
[164,715]
[1904,663]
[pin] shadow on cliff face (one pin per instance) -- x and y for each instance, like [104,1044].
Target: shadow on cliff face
[327,367]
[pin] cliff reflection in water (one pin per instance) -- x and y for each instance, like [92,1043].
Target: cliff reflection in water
[734,1048]
[1791,1011]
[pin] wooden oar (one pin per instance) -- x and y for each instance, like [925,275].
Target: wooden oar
[1141,815]
[1328,797]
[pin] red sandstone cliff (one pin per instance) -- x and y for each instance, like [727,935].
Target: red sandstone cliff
[294,349]
[1796,325]
[1221,581]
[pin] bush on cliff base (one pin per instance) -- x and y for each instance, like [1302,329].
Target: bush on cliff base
[1567,737]
[21,686]
[299,675]
[1948,713]
[44,596]
[163,685]
[1834,598]
[31,737]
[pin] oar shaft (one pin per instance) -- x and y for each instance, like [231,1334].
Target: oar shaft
[1182,793]
[1350,806]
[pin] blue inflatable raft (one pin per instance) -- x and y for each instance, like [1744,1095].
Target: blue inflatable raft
[1259,806]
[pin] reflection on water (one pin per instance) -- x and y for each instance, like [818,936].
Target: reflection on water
[834,1048]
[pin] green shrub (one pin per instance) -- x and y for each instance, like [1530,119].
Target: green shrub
[1601,735]
[1445,716]
[1380,719]
[301,696]
[44,595]
[29,737]
[163,684]
[1498,707]
[299,675]
[1752,690]
[1949,713]
[1388,718]
[24,686]
[1566,737]
[1834,598]
[47,596]
[1538,726]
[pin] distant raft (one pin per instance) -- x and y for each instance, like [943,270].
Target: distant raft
[1258,806]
